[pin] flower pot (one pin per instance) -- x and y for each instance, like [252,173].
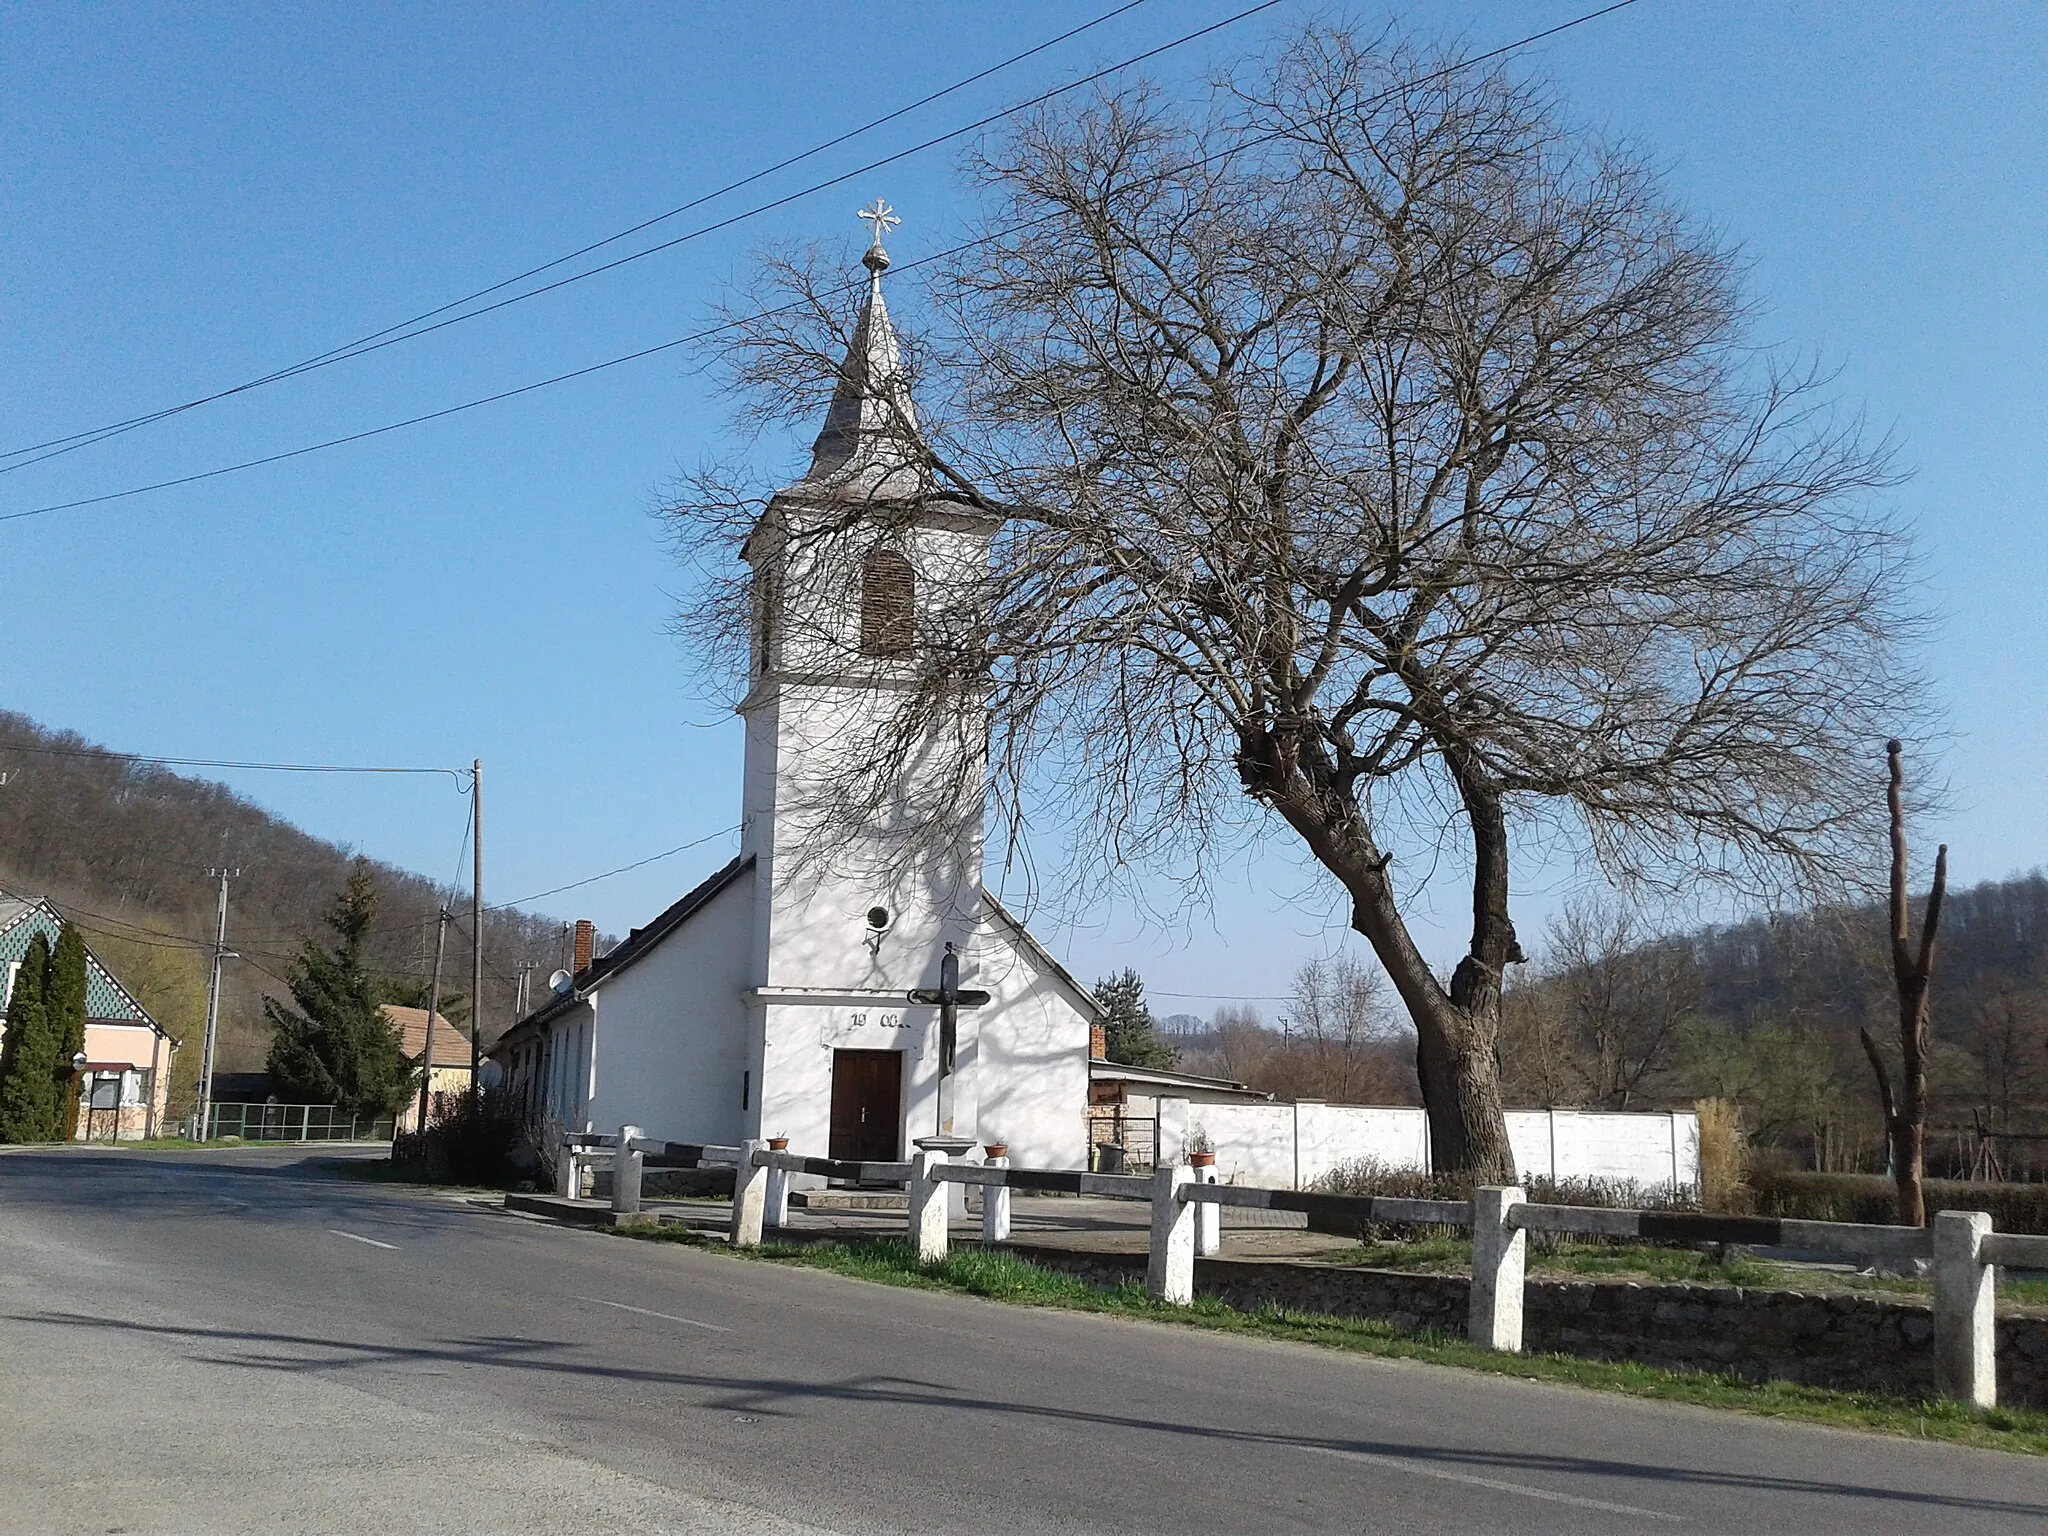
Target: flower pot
[778,1143]
[998,1149]
[1202,1159]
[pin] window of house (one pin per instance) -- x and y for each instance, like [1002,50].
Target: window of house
[888,598]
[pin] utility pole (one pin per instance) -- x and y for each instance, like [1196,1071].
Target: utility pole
[220,953]
[433,1006]
[476,934]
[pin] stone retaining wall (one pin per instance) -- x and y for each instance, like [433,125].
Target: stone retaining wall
[1855,1343]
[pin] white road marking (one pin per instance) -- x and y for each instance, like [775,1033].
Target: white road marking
[1444,1474]
[598,1301]
[352,1237]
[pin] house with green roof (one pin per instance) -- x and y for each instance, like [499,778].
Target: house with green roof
[128,1054]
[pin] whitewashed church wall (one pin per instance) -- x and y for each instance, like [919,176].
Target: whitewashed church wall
[814,930]
[1032,1066]
[1293,1146]
[672,1030]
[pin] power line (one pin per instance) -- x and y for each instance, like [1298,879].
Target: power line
[377,340]
[709,331]
[213,762]
[652,858]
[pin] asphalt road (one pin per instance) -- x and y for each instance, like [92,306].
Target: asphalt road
[236,1342]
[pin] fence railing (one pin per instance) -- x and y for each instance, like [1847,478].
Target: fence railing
[1187,1203]
[294,1122]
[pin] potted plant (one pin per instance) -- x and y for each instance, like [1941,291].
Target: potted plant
[778,1143]
[996,1149]
[1200,1150]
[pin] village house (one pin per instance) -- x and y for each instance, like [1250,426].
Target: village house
[449,1073]
[127,1076]
[773,999]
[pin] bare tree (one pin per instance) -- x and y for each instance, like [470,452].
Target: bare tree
[1905,1110]
[1625,998]
[1378,458]
[1338,1020]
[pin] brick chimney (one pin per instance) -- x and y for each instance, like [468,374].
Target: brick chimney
[1098,1042]
[586,936]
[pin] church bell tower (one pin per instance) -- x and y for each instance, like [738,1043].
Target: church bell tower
[856,567]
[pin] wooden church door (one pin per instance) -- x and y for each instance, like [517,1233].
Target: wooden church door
[867,1106]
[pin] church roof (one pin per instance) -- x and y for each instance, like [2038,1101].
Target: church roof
[638,944]
[1002,914]
[869,448]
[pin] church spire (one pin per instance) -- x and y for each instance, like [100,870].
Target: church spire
[869,446]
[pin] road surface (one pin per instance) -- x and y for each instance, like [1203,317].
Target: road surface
[234,1341]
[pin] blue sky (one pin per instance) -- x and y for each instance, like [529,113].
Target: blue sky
[197,195]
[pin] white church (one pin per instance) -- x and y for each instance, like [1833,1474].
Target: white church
[774,999]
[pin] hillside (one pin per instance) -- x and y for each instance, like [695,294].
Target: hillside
[123,849]
[1767,1013]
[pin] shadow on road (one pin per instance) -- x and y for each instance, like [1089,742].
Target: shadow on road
[777,1398]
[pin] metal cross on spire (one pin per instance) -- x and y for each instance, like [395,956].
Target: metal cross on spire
[880,217]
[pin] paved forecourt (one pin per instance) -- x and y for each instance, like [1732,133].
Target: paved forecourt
[257,1346]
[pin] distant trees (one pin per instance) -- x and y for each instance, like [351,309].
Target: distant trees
[1131,1037]
[1606,1022]
[336,1047]
[31,1108]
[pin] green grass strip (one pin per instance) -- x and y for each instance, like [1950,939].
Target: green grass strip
[999,1276]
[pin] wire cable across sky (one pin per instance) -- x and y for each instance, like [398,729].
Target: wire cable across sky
[693,337]
[418,326]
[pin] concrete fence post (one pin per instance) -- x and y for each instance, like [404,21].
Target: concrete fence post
[1170,1269]
[626,1170]
[777,1213]
[1499,1256]
[749,1196]
[928,1206]
[1208,1220]
[995,1207]
[1965,1310]
[567,1180]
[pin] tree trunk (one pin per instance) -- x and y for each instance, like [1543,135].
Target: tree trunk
[1911,974]
[1457,1031]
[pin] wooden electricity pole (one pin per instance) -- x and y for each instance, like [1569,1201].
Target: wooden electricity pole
[1905,1112]
[433,1005]
[476,934]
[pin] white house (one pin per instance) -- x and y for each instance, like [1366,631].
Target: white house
[772,1000]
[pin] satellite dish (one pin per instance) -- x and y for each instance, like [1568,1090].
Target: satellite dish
[559,982]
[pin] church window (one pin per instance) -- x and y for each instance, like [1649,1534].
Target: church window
[888,596]
[767,599]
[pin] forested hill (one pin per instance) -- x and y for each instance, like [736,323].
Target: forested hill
[124,848]
[1767,1014]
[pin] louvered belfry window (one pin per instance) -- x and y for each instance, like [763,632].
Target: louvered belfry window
[888,597]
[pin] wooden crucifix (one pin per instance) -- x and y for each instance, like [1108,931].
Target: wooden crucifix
[950,997]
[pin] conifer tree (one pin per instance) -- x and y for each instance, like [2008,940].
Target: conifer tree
[65,1004]
[29,1107]
[336,1047]
[1130,1036]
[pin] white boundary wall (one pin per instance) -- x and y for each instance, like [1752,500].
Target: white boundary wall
[1291,1146]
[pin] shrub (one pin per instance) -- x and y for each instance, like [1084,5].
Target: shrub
[1369,1176]
[472,1141]
[1872,1199]
[1724,1156]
